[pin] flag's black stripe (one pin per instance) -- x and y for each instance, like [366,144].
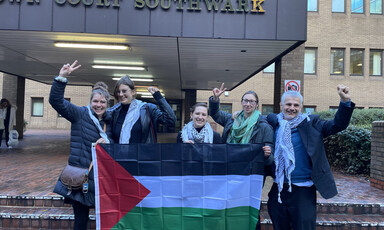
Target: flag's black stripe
[188,159]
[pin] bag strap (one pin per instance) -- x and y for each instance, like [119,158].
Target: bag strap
[152,128]
[105,127]
[90,167]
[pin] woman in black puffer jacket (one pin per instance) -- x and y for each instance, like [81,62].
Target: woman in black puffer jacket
[90,124]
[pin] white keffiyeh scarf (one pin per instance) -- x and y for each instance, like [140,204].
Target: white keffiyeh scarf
[284,153]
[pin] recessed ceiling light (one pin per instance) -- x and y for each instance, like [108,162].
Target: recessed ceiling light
[135,79]
[133,75]
[142,79]
[91,45]
[118,67]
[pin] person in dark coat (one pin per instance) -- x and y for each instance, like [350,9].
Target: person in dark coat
[135,121]
[89,124]
[248,126]
[301,165]
[198,130]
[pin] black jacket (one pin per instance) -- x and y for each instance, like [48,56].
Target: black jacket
[262,132]
[150,116]
[83,133]
[312,133]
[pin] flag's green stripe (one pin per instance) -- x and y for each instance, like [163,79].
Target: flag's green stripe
[239,218]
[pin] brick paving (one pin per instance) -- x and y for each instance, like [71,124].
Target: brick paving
[32,168]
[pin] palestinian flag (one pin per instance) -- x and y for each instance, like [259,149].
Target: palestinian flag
[178,186]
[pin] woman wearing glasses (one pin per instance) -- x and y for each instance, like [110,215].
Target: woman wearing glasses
[248,127]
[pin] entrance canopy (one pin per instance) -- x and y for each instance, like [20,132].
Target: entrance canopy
[193,44]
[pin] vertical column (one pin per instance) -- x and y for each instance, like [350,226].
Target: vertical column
[20,106]
[290,67]
[277,92]
[14,91]
[377,155]
[189,101]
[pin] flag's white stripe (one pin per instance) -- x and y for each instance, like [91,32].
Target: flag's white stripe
[211,192]
[96,181]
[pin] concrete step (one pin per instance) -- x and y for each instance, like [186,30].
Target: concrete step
[21,217]
[322,208]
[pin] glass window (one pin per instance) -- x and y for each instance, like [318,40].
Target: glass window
[337,61]
[37,107]
[333,108]
[357,6]
[375,65]
[376,6]
[270,68]
[309,108]
[226,107]
[338,6]
[310,61]
[356,62]
[312,5]
[266,109]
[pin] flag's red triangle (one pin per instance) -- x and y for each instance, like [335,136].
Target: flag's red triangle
[119,191]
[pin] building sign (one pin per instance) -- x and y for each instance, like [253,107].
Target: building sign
[252,6]
[292,85]
[230,6]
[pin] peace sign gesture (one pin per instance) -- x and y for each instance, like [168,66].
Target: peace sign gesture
[67,69]
[217,92]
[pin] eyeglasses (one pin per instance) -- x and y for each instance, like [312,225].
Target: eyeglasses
[245,101]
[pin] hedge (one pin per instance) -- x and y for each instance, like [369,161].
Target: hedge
[350,150]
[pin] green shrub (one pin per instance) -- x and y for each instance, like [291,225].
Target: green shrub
[360,117]
[350,150]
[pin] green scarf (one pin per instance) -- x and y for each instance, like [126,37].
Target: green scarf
[242,128]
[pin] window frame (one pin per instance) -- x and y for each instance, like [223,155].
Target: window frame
[381,62]
[267,106]
[315,64]
[338,11]
[362,62]
[226,104]
[33,101]
[343,66]
[317,6]
[362,5]
[314,107]
[370,9]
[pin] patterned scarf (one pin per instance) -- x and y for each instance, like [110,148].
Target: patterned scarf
[242,128]
[284,153]
[190,133]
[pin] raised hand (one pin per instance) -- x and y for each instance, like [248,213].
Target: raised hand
[343,92]
[153,90]
[67,69]
[217,92]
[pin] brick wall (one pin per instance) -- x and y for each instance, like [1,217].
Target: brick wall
[377,155]
[78,95]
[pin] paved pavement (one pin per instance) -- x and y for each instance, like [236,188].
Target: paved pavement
[32,168]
